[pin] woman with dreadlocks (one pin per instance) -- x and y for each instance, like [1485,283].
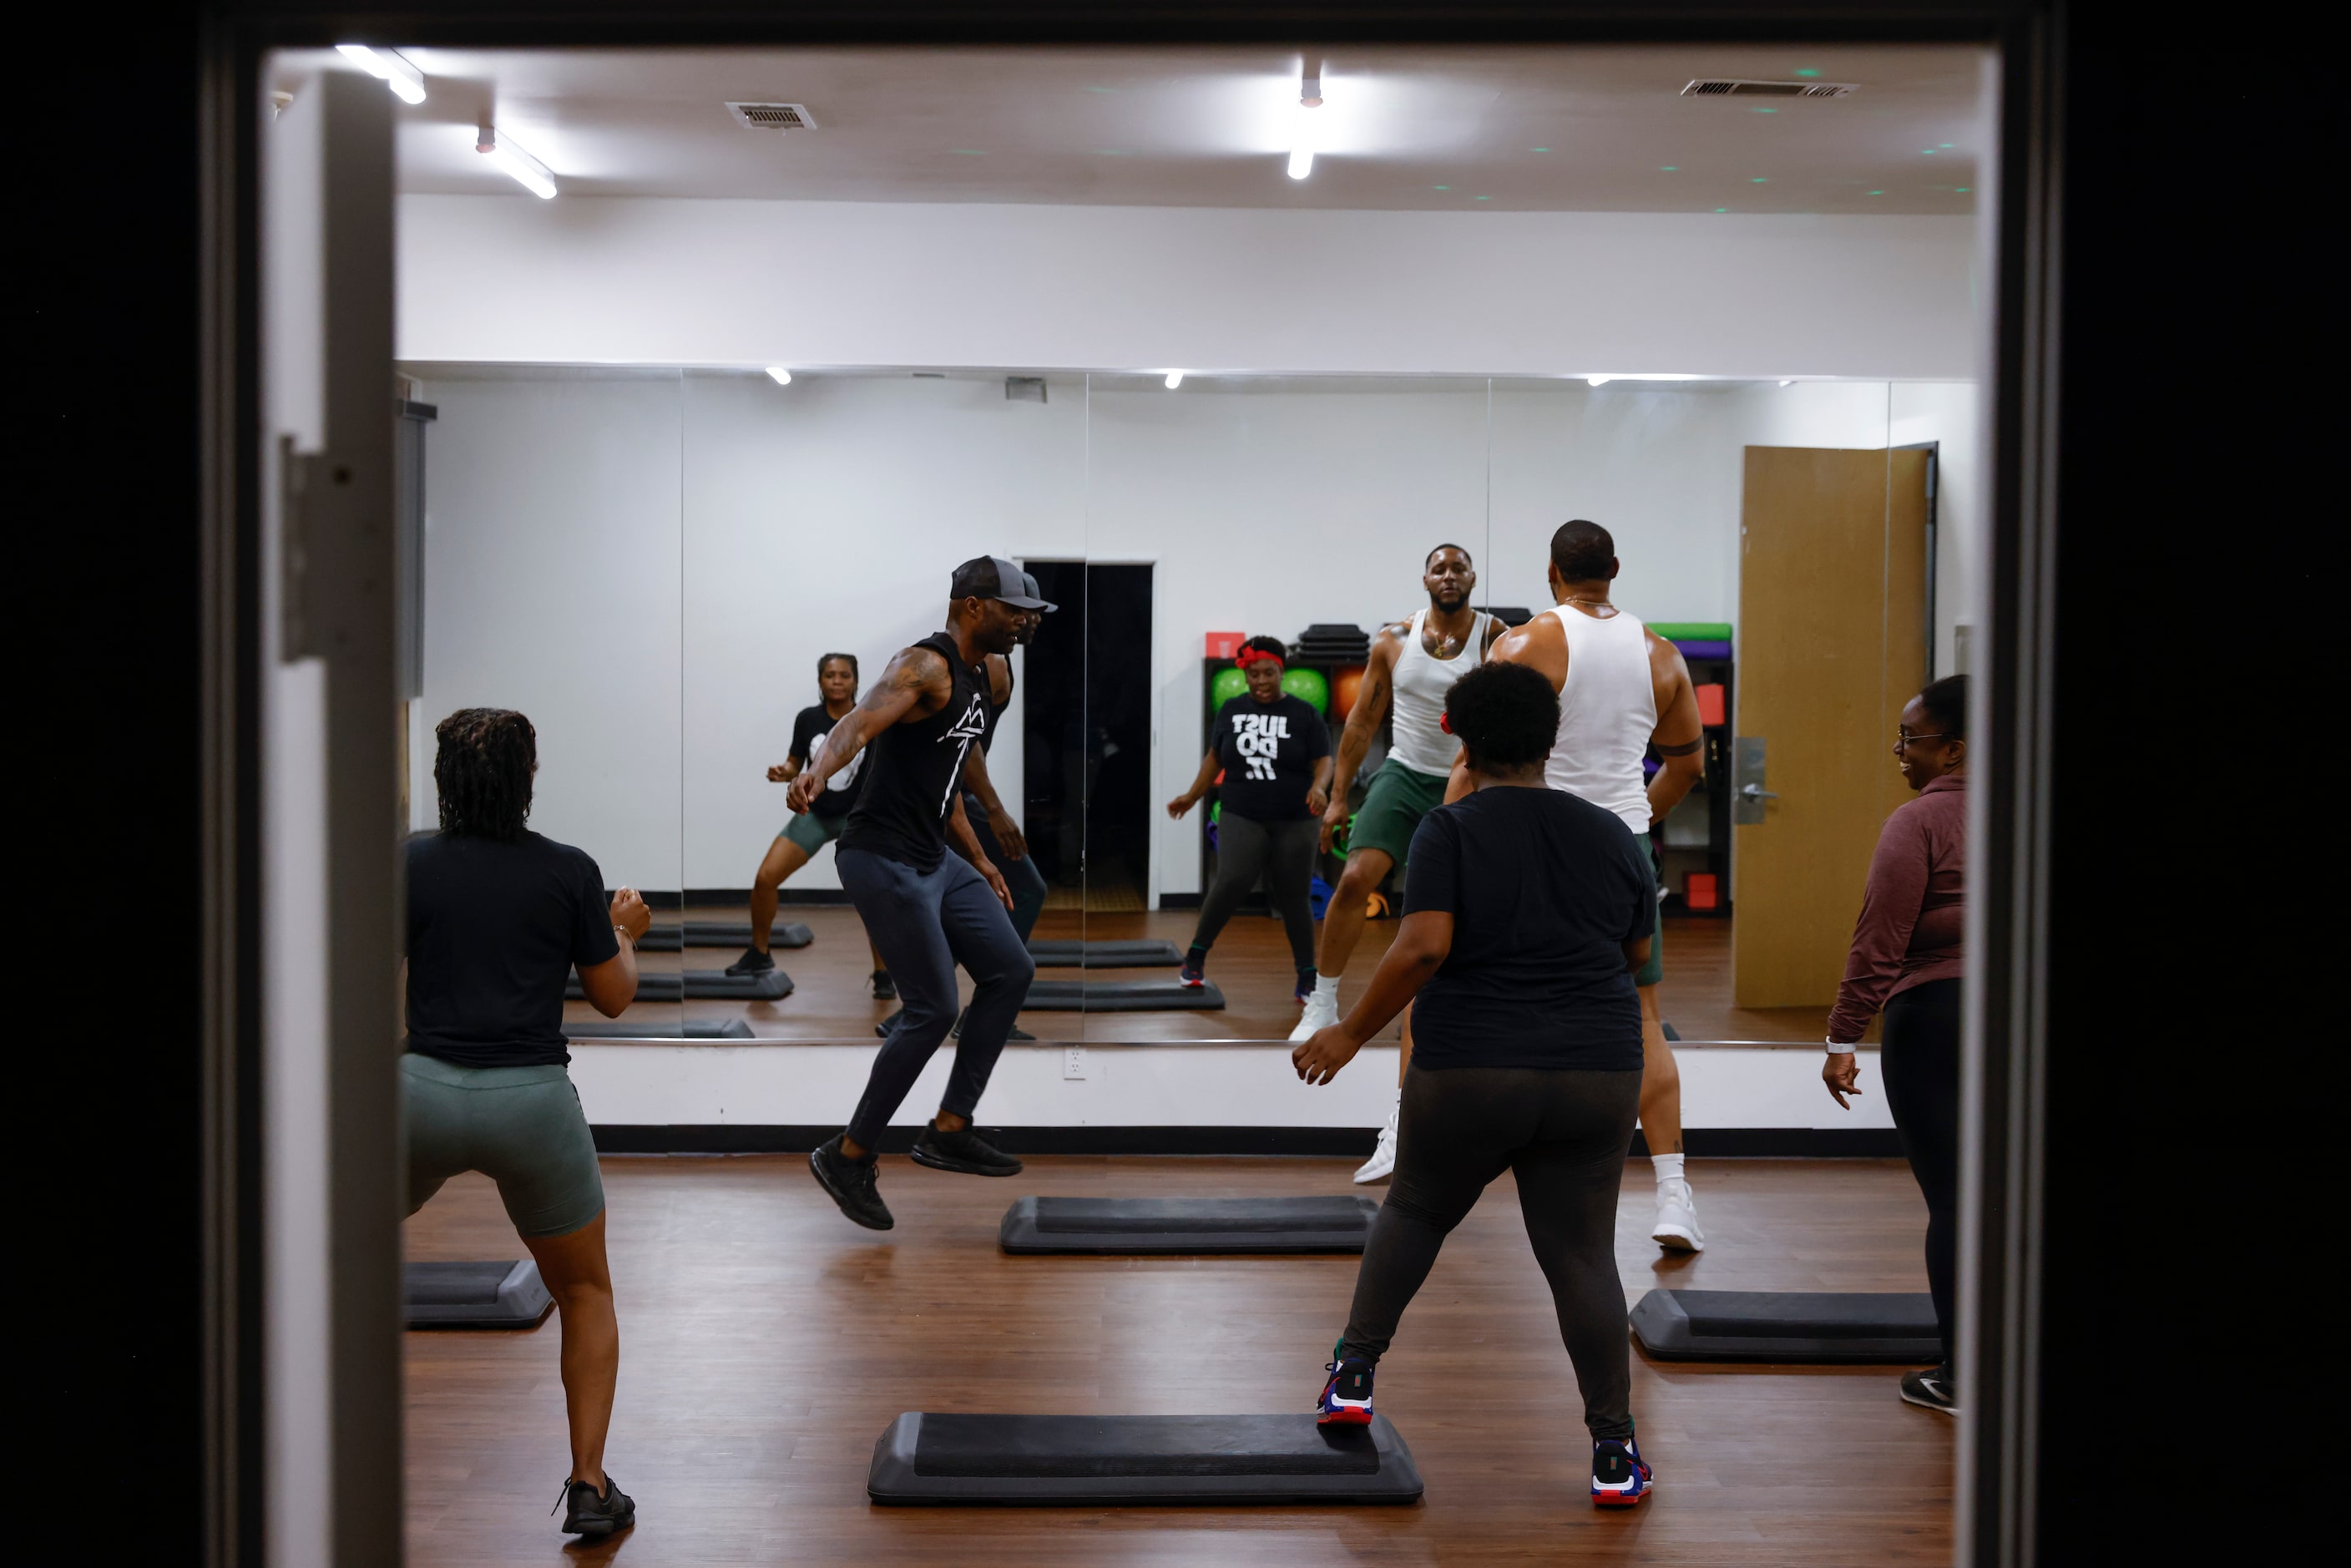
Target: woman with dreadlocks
[498,916]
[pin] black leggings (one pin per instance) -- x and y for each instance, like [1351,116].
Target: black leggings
[1920,1060]
[1564,1135]
[1281,853]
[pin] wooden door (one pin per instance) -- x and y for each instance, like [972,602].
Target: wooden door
[1832,643]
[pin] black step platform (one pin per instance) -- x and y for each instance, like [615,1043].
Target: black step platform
[1186,1225]
[1047,1460]
[693,1029]
[505,1295]
[704,985]
[1056,954]
[1789,1325]
[1118,996]
[721,934]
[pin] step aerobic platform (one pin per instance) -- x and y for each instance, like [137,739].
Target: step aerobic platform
[502,1296]
[1060,955]
[1118,996]
[1186,1225]
[693,1029]
[1881,1328]
[703,985]
[721,934]
[1075,1460]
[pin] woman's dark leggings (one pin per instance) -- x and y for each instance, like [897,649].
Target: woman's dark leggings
[1564,1135]
[1920,1060]
[1281,853]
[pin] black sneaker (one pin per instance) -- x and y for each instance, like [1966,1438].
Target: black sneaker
[1015,1033]
[966,1151]
[1195,972]
[752,962]
[1933,1389]
[885,989]
[593,1513]
[887,1024]
[849,1184]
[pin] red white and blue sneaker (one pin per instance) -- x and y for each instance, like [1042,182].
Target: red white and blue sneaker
[1195,972]
[1305,991]
[1347,1396]
[1619,1477]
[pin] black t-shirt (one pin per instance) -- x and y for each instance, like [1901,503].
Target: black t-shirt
[913,769]
[839,792]
[1543,888]
[494,930]
[1268,751]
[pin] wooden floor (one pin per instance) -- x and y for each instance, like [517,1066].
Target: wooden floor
[1250,966]
[766,1342]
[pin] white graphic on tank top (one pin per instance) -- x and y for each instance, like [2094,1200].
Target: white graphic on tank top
[1257,737]
[846,773]
[966,729]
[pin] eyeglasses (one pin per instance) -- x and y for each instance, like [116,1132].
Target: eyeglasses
[1904,742]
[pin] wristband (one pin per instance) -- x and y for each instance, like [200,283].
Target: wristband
[1837,1049]
[622,932]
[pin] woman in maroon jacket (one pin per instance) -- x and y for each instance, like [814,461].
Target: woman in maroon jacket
[1906,961]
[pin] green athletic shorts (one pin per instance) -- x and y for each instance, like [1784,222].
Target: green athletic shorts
[812,832]
[520,1126]
[1399,797]
[1650,973]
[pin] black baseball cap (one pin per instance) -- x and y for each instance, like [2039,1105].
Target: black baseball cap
[993,577]
[1029,579]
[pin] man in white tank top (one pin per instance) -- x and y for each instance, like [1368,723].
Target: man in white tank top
[1622,688]
[1413,662]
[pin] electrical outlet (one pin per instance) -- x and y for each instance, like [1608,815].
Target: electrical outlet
[1073,1062]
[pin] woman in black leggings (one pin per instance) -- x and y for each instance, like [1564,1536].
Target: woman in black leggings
[1906,961]
[1276,758]
[1527,913]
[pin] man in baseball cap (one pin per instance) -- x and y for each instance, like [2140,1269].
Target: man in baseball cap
[993,577]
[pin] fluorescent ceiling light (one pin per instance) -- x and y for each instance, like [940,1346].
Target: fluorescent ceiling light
[529,170]
[407,83]
[1597,381]
[1302,123]
[781,376]
[1789,383]
[1623,376]
[1175,379]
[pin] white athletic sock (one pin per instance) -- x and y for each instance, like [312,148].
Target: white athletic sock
[1668,1167]
[1326,986]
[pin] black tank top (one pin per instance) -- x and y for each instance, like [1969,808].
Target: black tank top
[912,770]
[994,709]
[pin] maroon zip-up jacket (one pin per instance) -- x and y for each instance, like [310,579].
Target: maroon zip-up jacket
[1914,910]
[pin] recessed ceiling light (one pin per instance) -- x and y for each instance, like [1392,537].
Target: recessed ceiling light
[1303,121]
[407,83]
[527,170]
[781,376]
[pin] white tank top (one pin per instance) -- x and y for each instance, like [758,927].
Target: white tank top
[1417,739]
[1606,714]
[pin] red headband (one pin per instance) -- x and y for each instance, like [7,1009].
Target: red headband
[1252,652]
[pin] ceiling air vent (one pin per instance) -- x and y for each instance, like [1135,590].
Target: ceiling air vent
[1720,87]
[772,116]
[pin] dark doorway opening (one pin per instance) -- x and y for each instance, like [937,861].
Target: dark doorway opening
[1087,734]
[1053,683]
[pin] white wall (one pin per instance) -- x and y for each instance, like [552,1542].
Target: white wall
[719,283]
[649,567]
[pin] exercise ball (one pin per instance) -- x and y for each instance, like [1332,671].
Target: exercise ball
[1308,686]
[1344,690]
[1227,684]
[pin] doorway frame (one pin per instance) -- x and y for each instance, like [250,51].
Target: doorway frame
[2006,991]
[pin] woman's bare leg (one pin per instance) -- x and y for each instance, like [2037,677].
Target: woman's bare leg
[784,857]
[580,1281]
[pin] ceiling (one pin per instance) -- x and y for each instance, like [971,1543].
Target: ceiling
[1598,128]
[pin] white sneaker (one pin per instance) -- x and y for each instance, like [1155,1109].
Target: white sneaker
[1677,1227]
[1382,1165]
[1321,1012]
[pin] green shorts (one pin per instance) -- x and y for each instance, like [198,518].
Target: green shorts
[812,832]
[1650,973]
[1399,797]
[520,1126]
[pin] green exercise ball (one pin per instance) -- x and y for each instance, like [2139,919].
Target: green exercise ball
[1227,684]
[1308,686]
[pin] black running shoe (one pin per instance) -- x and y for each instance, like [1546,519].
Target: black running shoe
[594,1514]
[966,1151]
[849,1184]
[885,989]
[887,1024]
[1193,974]
[1015,1033]
[1933,1389]
[752,962]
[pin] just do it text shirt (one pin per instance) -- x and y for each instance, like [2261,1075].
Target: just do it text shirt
[1268,751]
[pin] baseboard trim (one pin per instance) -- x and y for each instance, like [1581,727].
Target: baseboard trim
[744,1138]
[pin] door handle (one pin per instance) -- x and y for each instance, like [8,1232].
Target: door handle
[1756,792]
